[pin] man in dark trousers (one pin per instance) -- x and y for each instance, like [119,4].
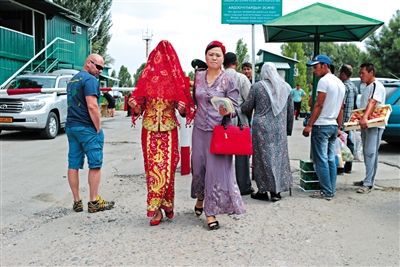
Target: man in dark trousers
[111,104]
[242,163]
[350,95]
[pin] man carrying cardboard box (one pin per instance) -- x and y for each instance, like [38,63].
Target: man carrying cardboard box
[372,94]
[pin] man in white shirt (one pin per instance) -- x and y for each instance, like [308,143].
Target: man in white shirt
[372,95]
[242,163]
[323,124]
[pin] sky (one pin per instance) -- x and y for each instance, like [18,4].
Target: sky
[191,24]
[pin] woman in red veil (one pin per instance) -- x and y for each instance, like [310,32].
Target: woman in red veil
[161,88]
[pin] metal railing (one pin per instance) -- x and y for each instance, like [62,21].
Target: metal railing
[58,39]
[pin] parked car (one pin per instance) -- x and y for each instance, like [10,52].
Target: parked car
[44,112]
[392,130]
[392,86]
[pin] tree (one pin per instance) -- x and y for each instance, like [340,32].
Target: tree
[384,48]
[113,74]
[295,50]
[98,15]
[138,73]
[346,53]
[191,75]
[241,53]
[110,82]
[125,79]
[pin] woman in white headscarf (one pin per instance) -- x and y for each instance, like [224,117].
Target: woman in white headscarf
[272,123]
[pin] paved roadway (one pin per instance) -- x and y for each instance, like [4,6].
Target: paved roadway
[38,227]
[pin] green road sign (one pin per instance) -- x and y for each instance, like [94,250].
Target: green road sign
[250,11]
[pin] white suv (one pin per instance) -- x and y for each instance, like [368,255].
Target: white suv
[44,112]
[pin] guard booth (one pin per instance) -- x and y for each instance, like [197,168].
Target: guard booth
[285,65]
[40,36]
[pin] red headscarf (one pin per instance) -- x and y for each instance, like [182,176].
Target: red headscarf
[163,77]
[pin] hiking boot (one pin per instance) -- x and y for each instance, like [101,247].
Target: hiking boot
[78,206]
[99,205]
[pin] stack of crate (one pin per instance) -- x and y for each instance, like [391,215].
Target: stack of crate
[308,177]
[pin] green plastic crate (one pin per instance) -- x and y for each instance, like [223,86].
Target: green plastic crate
[309,185]
[306,165]
[308,176]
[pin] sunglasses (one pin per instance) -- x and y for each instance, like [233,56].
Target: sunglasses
[99,67]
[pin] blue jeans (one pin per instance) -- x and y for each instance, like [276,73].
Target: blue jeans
[323,153]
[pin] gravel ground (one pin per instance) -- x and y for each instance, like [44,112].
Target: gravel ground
[351,230]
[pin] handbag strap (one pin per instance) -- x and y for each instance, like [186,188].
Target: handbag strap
[225,119]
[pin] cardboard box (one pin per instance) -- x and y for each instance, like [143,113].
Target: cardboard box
[383,110]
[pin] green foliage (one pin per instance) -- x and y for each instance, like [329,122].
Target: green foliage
[138,73]
[346,53]
[241,53]
[96,13]
[384,49]
[124,77]
[295,50]
[191,75]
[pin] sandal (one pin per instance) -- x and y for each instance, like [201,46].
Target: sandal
[364,189]
[154,221]
[321,195]
[213,225]
[198,211]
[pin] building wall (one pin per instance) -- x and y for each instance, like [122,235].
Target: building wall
[73,54]
[15,50]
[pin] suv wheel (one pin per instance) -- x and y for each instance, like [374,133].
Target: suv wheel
[52,127]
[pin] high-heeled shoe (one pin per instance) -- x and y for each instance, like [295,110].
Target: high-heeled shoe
[154,221]
[198,211]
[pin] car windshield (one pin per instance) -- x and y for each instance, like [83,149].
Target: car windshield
[33,82]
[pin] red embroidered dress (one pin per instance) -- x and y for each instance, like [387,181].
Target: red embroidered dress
[159,88]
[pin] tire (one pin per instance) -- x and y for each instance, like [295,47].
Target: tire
[52,127]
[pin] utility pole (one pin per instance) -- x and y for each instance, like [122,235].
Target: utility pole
[147,38]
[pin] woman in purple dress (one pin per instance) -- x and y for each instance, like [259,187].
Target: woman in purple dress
[213,183]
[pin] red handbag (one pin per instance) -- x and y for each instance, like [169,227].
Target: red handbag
[231,140]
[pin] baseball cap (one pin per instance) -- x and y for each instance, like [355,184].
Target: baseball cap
[319,59]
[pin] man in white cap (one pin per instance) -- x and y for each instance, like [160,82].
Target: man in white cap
[323,125]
